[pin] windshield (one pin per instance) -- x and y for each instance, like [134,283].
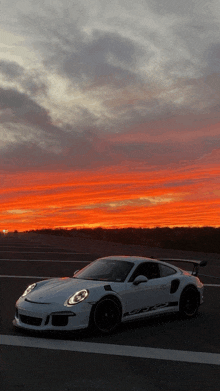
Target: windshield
[105,270]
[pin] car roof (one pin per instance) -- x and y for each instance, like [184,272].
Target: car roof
[137,260]
[129,258]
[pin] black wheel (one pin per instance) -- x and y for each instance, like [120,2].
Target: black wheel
[106,315]
[189,302]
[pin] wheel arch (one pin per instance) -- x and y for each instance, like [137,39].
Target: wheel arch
[113,297]
[181,299]
[190,286]
[108,296]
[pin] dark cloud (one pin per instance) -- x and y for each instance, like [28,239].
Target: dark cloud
[106,58]
[89,151]
[11,70]
[77,151]
[212,58]
[181,8]
[70,51]
[94,57]
[21,103]
[169,152]
[23,107]
[49,146]
[97,58]
[34,85]
[150,71]
[54,32]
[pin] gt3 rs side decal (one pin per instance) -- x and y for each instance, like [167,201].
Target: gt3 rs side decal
[152,308]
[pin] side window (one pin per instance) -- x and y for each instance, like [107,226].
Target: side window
[148,269]
[166,271]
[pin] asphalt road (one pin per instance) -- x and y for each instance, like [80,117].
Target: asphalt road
[25,368]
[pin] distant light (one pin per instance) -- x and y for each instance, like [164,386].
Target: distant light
[5,231]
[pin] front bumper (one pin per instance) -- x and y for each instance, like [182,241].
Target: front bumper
[45,317]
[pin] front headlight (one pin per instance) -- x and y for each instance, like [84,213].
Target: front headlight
[29,289]
[78,297]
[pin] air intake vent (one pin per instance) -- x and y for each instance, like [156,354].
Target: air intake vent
[174,286]
[30,320]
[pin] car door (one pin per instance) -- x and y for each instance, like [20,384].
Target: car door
[169,284]
[148,296]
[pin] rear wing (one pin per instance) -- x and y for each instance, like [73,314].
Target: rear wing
[196,264]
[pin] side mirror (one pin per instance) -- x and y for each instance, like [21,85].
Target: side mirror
[139,279]
[76,271]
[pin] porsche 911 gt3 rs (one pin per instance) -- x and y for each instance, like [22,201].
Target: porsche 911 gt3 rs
[109,291]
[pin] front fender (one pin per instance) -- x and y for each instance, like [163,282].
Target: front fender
[98,294]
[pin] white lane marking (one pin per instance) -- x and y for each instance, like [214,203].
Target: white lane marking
[9,276]
[206,275]
[212,285]
[42,252]
[22,246]
[115,350]
[41,260]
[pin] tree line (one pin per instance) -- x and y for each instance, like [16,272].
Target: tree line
[204,239]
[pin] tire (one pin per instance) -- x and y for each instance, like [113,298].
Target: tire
[106,316]
[189,302]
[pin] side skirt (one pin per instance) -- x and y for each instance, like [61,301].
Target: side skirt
[151,311]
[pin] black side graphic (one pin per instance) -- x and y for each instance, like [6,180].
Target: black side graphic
[152,308]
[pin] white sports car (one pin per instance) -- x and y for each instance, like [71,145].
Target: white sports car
[108,291]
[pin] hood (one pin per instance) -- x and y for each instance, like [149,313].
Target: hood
[58,290]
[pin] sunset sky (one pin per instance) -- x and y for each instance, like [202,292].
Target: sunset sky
[109,113]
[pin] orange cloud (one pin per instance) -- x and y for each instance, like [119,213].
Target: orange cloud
[187,195]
